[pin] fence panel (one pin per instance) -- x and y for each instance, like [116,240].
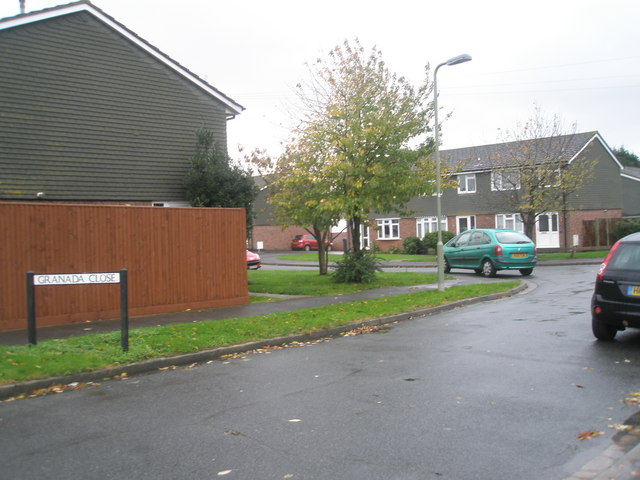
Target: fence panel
[177,258]
[599,232]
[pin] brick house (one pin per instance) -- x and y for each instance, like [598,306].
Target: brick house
[475,202]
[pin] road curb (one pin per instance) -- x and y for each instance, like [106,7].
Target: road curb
[151,365]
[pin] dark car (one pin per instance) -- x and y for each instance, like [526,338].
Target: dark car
[615,304]
[253,261]
[307,242]
[487,250]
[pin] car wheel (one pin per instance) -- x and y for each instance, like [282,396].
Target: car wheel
[477,270]
[603,331]
[488,270]
[447,267]
[525,272]
[307,248]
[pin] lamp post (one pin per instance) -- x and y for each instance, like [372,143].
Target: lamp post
[439,248]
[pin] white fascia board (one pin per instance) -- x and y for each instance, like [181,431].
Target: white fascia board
[597,137]
[629,177]
[232,108]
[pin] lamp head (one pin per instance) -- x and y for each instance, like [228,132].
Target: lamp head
[459,59]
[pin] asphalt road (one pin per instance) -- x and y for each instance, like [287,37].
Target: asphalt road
[493,391]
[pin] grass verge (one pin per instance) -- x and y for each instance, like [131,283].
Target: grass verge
[92,352]
[313,257]
[305,282]
[334,257]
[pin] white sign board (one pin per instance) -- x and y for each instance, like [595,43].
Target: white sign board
[75,278]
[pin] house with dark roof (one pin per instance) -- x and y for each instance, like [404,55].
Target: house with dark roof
[91,112]
[485,176]
[476,199]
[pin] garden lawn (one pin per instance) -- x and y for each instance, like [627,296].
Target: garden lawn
[306,282]
[91,352]
[387,257]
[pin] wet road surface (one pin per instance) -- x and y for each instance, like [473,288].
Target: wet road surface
[498,390]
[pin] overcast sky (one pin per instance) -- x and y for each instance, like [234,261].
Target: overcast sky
[577,59]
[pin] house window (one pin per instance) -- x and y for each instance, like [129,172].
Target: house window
[511,221]
[548,222]
[466,223]
[389,229]
[426,225]
[550,178]
[467,183]
[505,180]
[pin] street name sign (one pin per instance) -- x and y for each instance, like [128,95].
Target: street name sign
[75,278]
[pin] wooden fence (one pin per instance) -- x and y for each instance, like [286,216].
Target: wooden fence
[177,258]
[598,233]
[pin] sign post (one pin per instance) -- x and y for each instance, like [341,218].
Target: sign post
[31,310]
[34,280]
[124,310]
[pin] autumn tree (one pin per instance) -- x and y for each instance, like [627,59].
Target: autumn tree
[296,190]
[213,181]
[533,172]
[361,144]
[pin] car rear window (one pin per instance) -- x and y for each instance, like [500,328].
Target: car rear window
[512,237]
[626,257]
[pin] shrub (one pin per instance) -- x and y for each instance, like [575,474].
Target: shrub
[446,236]
[626,227]
[356,268]
[394,250]
[430,240]
[413,246]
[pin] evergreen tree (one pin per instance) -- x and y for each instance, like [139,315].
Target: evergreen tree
[213,181]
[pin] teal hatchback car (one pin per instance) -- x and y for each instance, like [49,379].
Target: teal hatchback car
[487,250]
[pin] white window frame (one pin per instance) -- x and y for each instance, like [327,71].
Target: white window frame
[510,221]
[388,228]
[471,222]
[426,225]
[502,180]
[463,183]
[557,179]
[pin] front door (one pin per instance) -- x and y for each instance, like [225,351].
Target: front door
[547,231]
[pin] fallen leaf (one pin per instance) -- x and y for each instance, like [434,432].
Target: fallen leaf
[586,435]
[633,398]
[295,420]
[621,428]
[224,472]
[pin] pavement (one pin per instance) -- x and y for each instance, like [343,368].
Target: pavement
[621,461]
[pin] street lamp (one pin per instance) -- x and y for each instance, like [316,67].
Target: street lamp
[439,248]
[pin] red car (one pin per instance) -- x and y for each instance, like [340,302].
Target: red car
[253,261]
[307,242]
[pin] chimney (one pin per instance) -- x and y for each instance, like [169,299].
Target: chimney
[22,6]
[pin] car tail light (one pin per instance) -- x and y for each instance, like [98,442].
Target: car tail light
[604,265]
[497,250]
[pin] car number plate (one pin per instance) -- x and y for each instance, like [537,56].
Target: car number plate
[518,255]
[634,291]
